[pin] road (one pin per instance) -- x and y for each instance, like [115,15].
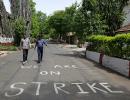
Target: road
[61,76]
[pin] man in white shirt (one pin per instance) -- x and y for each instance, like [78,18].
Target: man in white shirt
[25,45]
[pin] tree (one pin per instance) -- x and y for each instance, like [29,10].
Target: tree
[56,22]
[69,18]
[105,14]
[34,19]
[94,22]
[112,12]
[35,27]
[19,30]
[38,20]
[79,25]
[42,21]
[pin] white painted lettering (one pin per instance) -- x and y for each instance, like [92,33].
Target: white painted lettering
[107,87]
[80,88]
[66,66]
[13,86]
[54,73]
[59,88]
[93,88]
[44,73]
[58,66]
[35,66]
[51,73]
[74,66]
[38,86]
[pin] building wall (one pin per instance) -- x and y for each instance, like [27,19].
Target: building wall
[127,14]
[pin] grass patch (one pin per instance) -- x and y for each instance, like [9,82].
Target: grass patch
[8,48]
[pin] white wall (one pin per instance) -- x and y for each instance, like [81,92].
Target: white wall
[116,64]
[119,65]
[93,56]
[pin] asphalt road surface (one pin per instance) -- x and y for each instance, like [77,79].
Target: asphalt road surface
[61,76]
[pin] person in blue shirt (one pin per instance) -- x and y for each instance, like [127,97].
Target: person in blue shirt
[40,45]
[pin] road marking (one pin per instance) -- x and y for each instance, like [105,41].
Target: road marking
[57,88]
[94,88]
[50,73]
[38,86]
[65,66]
[107,87]
[56,66]
[13,86]
[60,87]
[68,67]
[29,67]
[80,88]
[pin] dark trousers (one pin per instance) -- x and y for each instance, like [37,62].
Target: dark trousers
[40,53]
[25,54]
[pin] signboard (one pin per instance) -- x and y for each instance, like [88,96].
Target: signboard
[6,39]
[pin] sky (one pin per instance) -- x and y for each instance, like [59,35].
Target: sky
[48,6]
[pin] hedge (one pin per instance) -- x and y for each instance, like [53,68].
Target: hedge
[117,46]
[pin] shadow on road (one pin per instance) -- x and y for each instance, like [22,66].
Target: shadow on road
[66,55]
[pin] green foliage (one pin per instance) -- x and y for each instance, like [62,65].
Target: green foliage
[41,20]
[35,27]
[53,33]
[19,30]
[56,22]
[47,36]
[92,17]
[32,5]
[79,25]
[103,15]
[95,24]
[38,21]
[69,21]
[117,46]
[8,48]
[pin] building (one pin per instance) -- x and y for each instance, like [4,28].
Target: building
[126,24]
[127,14]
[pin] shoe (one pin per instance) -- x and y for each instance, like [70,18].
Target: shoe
[24,62]
[38,62]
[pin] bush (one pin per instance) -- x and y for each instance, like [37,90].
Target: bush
[46,36]
[117,46]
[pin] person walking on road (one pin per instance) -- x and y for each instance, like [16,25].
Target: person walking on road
[40,45]
[25,45]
